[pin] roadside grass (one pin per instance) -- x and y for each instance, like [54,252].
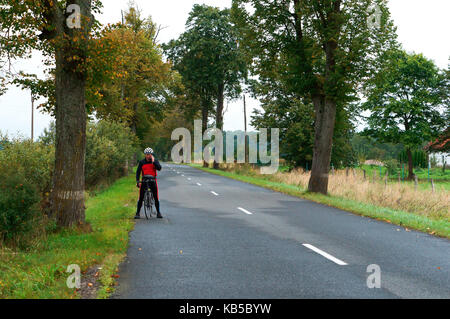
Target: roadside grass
[435,223]
[441,180]
[438,176]
[41,272]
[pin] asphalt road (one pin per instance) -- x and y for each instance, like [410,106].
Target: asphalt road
[222,238]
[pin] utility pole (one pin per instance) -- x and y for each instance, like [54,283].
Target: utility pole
[246,137]
[32,117]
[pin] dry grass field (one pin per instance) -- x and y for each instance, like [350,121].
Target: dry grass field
[403,196]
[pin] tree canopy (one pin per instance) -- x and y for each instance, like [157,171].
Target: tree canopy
[407,102]
[321,51]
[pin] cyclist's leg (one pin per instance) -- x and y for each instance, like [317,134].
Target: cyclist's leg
[154,189]
[141,199]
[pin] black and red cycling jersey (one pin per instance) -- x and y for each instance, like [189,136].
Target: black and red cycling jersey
[147,168]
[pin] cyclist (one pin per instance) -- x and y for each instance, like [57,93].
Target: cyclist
[148,166]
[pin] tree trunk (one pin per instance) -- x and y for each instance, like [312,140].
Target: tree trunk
[204,125]
[67,199]
[219,115]
[410,165]
[324,128]
[444,163]
[325,109]
[245,130]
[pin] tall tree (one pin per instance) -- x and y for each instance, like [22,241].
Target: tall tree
[407,101]
[327,48]
[208,57]
[62,30]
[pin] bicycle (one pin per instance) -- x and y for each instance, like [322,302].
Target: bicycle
[149,201]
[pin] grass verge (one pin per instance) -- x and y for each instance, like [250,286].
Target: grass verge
[41,272]
[405,219]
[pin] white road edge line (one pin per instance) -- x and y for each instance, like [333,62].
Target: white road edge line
[245,211]
[214,193]
[326,255]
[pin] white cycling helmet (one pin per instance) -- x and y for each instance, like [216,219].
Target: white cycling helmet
[148,151]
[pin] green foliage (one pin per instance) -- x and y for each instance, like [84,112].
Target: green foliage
[30,164]
[132,84]
[27,25]
[159,136]
[25,182]
[366,148]
[420,158]
[40,272]
[291,41]
[18,207]
[48,137]
[342,154]
[33,161]
[109,146]
[392,166]
[296,123]
[318,52]
[405,98]
[207,56]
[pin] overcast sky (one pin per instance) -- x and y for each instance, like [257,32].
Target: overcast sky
[423,27]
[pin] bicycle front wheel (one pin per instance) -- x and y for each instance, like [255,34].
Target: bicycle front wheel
[147,207]
[152,202]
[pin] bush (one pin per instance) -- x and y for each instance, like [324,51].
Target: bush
[392,166]
[29,166]
[25,182]
[108,147]
[33,161]
[18,207]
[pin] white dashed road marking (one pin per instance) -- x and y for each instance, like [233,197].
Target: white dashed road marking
[245,211]
[326,255]
[214,193]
